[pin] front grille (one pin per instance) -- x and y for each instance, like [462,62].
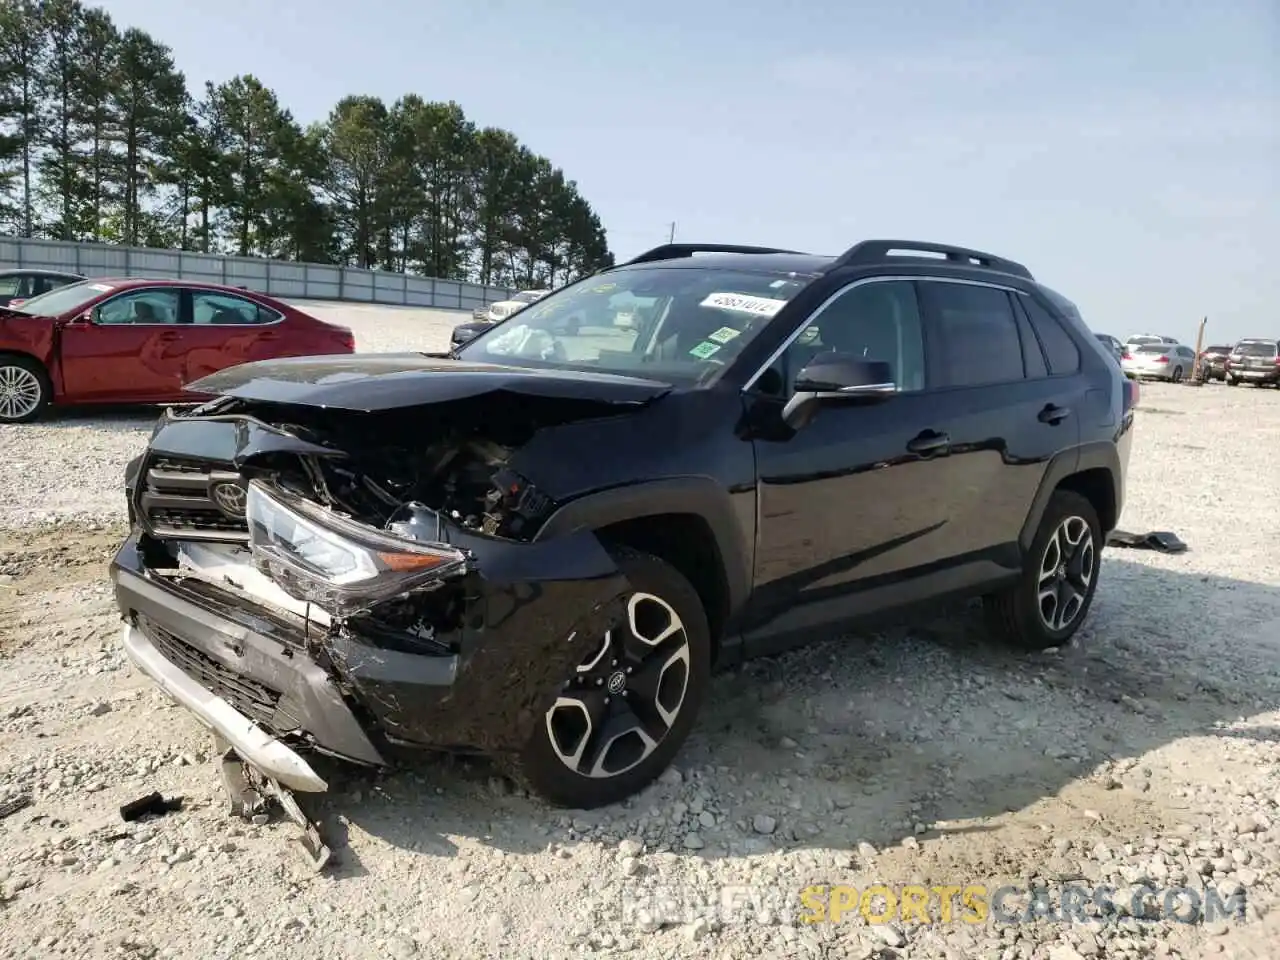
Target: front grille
[177,500]
[255,700]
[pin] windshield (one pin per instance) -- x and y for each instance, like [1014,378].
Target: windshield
[674,323]
[525,296]
[64,300]
[1139,340]
[1217,350]
[1154,348]
[1256,350]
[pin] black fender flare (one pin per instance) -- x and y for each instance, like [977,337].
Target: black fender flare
[1100,454]
[698,495]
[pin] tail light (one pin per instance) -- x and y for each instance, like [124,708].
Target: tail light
[1131,394]
[1162,359]
[1126,355]
[347,339]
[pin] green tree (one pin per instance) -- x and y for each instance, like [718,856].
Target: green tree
[23,51]
[150,98]
[356,151]
[61,186]
[100,139]
[495,187]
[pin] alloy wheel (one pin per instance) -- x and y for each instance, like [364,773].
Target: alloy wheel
[625,696]
[20,392]
[1066,573]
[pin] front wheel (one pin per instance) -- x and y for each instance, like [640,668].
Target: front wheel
[24,389]
[1060,575]
[621,717]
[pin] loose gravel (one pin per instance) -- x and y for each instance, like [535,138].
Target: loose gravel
[1145,755]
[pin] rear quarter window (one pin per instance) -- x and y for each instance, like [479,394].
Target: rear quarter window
[1060,351]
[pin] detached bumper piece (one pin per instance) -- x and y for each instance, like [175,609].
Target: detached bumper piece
[250,792]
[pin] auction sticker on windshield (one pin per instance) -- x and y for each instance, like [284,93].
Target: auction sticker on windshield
[705,349]
[757,306]
[724,335]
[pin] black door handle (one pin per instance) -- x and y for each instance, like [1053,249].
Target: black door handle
[930,441]
[1054,414]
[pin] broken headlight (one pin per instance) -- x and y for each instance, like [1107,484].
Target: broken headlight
[336,563]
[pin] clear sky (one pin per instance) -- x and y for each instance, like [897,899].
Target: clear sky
[1127,151]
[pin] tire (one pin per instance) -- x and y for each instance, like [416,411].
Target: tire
[1016,615]
[545,766]
[25,389]
[1232,381]
[1177,374]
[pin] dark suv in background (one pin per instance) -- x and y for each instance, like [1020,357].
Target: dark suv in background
[1254,361]
[540,544]
[1213,362]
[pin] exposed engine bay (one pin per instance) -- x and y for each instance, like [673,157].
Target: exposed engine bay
[383,471]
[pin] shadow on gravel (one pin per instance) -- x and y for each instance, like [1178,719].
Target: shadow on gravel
[862,738]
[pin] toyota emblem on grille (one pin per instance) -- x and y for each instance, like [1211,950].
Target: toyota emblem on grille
[229,497]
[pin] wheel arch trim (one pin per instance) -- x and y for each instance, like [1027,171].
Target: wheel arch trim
[698,495]
[1100,455]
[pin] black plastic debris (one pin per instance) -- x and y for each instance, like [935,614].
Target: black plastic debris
[153,804]
[11,806]
[1159,540]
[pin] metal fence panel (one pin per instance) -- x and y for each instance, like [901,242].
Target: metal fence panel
[278,278]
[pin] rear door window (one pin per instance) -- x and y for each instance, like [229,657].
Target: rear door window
[1256,350]
[981,343]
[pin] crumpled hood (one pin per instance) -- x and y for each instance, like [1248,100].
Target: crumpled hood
[387,381]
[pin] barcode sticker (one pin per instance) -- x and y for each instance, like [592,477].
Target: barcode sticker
[757,306]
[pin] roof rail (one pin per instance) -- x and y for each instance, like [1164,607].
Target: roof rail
[674,251]
[877,251]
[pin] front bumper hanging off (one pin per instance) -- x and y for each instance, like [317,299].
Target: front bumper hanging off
[274,689]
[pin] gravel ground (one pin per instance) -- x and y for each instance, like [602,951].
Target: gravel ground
[1143,755]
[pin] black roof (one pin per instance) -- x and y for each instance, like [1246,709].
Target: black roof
[863,253]
[804,264]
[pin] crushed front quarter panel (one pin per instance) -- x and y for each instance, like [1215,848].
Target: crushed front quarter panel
[535,611]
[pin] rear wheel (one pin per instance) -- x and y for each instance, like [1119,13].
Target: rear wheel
[24,389]
[621,717]
[1060,575]
[1232,381]
[1177,374]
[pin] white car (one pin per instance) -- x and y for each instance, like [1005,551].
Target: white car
[505,308]
[1158,361]
[1143,339]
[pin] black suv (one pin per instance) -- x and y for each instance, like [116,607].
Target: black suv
[539,545]
[1213,362]
[1254,361]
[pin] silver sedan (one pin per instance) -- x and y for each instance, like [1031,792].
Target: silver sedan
[1158,361]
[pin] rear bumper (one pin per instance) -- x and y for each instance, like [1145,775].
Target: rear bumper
[1271,375]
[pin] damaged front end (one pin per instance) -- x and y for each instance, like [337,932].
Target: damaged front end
[304,578]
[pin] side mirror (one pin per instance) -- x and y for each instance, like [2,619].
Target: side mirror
[837,378]
[464,332]
[83,317]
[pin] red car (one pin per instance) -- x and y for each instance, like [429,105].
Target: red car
[141,341]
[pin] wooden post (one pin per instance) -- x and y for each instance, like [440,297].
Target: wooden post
[1196,372]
